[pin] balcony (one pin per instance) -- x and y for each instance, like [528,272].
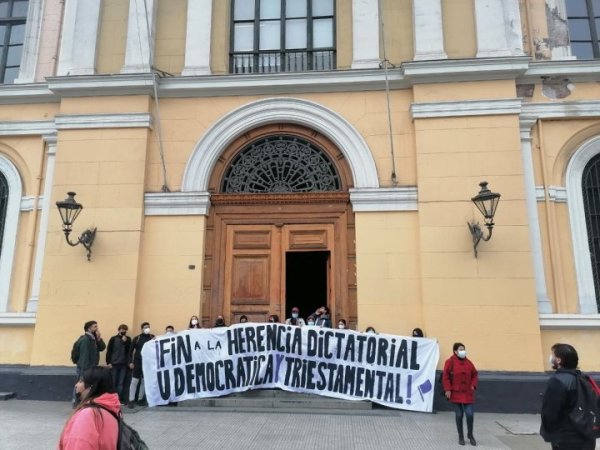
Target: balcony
[281,61]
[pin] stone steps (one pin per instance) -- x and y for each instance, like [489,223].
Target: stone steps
[276,399]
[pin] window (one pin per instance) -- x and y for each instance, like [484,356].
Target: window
[280,164]
[13,14]
[270,36]
[584,28]
[3,206]
[591,201]
[10,200]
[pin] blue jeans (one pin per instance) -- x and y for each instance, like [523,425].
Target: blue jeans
[119,374]
[461,409]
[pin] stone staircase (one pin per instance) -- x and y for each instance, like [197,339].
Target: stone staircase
[275,399]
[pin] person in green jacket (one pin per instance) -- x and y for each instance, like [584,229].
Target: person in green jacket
[89,347]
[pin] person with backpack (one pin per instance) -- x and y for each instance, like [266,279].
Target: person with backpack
[459,380]
[117,358]
[91,426]
[135,364]
[562,399]
[86,350]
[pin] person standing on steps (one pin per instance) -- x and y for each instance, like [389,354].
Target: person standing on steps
[460,381]
[135,364]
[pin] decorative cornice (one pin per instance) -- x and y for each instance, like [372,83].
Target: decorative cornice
[574,70]
[280,83]
[27,128]
[577,108]
[86,121]
[92,85]
[384,199]
[540,193]
[557,321]
[28,203]
[557,194]
[17,319]
[176,204]
[465,108]
[11,94]
[275,198]
[472,69]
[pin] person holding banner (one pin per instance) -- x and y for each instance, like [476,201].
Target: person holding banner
[295,319]
[323,317]
[460,381]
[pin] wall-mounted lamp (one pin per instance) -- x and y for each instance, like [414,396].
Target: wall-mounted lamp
[69,210]
[486,202]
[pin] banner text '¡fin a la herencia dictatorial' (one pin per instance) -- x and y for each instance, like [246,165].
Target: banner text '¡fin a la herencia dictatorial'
[320,343]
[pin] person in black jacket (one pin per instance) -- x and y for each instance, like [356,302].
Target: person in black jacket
[89,347]
[117,358]
[559,399]
[135,364]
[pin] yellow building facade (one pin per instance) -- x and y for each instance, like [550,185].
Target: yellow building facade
[149,110]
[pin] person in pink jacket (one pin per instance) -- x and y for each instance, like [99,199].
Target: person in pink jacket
[90,427]
[460,381]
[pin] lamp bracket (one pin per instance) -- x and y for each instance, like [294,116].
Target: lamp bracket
[477,233]
[86,239]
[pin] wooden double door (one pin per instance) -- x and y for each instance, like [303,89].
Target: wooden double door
[265,259]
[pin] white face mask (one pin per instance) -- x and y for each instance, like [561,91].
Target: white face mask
[170,332]
[551,360]
[310,322]
[194,322]
[146,330]
[294,315]
[341,326]
[462,354]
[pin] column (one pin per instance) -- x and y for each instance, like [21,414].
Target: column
[31,43]
[365,34]
[498,26]
[428,30]
[79,39]
[139,49]
[198,38]
[40,249]
[543,302]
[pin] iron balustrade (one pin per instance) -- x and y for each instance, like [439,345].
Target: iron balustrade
[282,61]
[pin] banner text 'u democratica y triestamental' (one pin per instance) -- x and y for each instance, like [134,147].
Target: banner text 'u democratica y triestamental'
[395,371]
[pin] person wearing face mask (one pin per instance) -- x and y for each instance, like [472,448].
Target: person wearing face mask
[243,319]
[559,400]
[273,318]
[220,322]
[169,329]
[310,321]
[117,358]
[460,381]
[194,323]
[295,319]
[341,324]
[90,426]
[135,364]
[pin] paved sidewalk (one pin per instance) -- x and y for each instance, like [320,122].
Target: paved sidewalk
[33,425]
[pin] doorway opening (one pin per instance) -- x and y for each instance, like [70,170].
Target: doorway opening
[306,275]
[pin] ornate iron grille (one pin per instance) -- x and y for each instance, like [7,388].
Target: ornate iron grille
[591,201]
[3,206]
[281,164]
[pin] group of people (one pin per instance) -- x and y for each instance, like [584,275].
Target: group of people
[100,391]
[459,380]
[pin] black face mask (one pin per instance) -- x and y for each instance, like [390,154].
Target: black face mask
[123,333]
[220,322]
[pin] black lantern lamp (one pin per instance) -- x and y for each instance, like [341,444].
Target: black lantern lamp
[69,210]
[486,202]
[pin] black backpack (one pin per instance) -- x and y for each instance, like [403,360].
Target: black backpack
[75,350]
[128,439]
[585,415]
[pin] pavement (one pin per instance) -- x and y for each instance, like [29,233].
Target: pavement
[32,425]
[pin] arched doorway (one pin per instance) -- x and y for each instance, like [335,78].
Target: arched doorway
[280,232]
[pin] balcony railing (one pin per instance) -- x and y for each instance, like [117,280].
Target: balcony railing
[277,61]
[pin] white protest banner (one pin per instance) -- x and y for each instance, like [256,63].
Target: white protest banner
[395,371]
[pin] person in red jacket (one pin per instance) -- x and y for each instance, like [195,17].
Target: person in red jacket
[460,381]
[91,427]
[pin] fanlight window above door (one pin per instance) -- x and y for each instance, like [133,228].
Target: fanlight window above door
[279,164]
